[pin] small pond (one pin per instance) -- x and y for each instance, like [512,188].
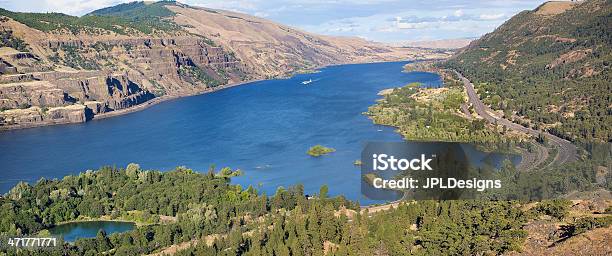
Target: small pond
[88,229]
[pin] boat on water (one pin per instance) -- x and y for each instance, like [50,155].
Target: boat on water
[307,81]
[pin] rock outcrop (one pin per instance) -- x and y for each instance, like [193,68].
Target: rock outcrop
[124,72]
[72,73]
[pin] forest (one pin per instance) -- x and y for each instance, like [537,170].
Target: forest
[434,114]
[245,222]
[551,71]
[121,19]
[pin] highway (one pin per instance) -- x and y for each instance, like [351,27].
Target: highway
[566,150]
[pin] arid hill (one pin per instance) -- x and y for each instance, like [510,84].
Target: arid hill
[271,49]
[56,68]
[440,44]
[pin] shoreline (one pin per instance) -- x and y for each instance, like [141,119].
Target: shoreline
[108,218]
[135,108]
[94,220]
[165,98]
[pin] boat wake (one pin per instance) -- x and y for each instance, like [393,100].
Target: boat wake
[309,81]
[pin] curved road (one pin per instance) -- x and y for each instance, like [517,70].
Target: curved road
[566,150]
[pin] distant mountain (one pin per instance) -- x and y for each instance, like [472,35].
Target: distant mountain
[550,66]
[272,49]
[439,44]
[57,68]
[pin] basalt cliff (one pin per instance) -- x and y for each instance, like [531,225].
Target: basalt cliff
[56,68]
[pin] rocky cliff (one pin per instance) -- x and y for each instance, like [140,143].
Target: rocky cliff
[56,68]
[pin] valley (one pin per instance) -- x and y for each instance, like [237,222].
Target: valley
[84,68]
[260,145]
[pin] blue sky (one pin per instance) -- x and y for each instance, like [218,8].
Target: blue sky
[377,20]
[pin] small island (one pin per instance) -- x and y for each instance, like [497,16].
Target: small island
[319,150]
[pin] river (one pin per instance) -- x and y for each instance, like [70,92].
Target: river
[263,128]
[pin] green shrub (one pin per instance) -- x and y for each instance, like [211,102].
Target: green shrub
[319,150]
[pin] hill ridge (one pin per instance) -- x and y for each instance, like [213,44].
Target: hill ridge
[122,56]
[552,71]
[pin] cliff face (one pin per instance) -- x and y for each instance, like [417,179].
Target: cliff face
[116,73]
[56,68]
[269,49]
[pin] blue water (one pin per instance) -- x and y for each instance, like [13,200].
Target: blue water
[264,128]
[89,229]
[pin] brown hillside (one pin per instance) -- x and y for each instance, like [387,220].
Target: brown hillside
[105,62]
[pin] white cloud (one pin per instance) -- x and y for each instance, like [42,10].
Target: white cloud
[374,19]
[458,13]
[492,16]
[385,29]
[232,5]
[399,24]
[78,7]
[413,25]
[261,14]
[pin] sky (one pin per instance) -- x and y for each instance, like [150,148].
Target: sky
[387,21]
